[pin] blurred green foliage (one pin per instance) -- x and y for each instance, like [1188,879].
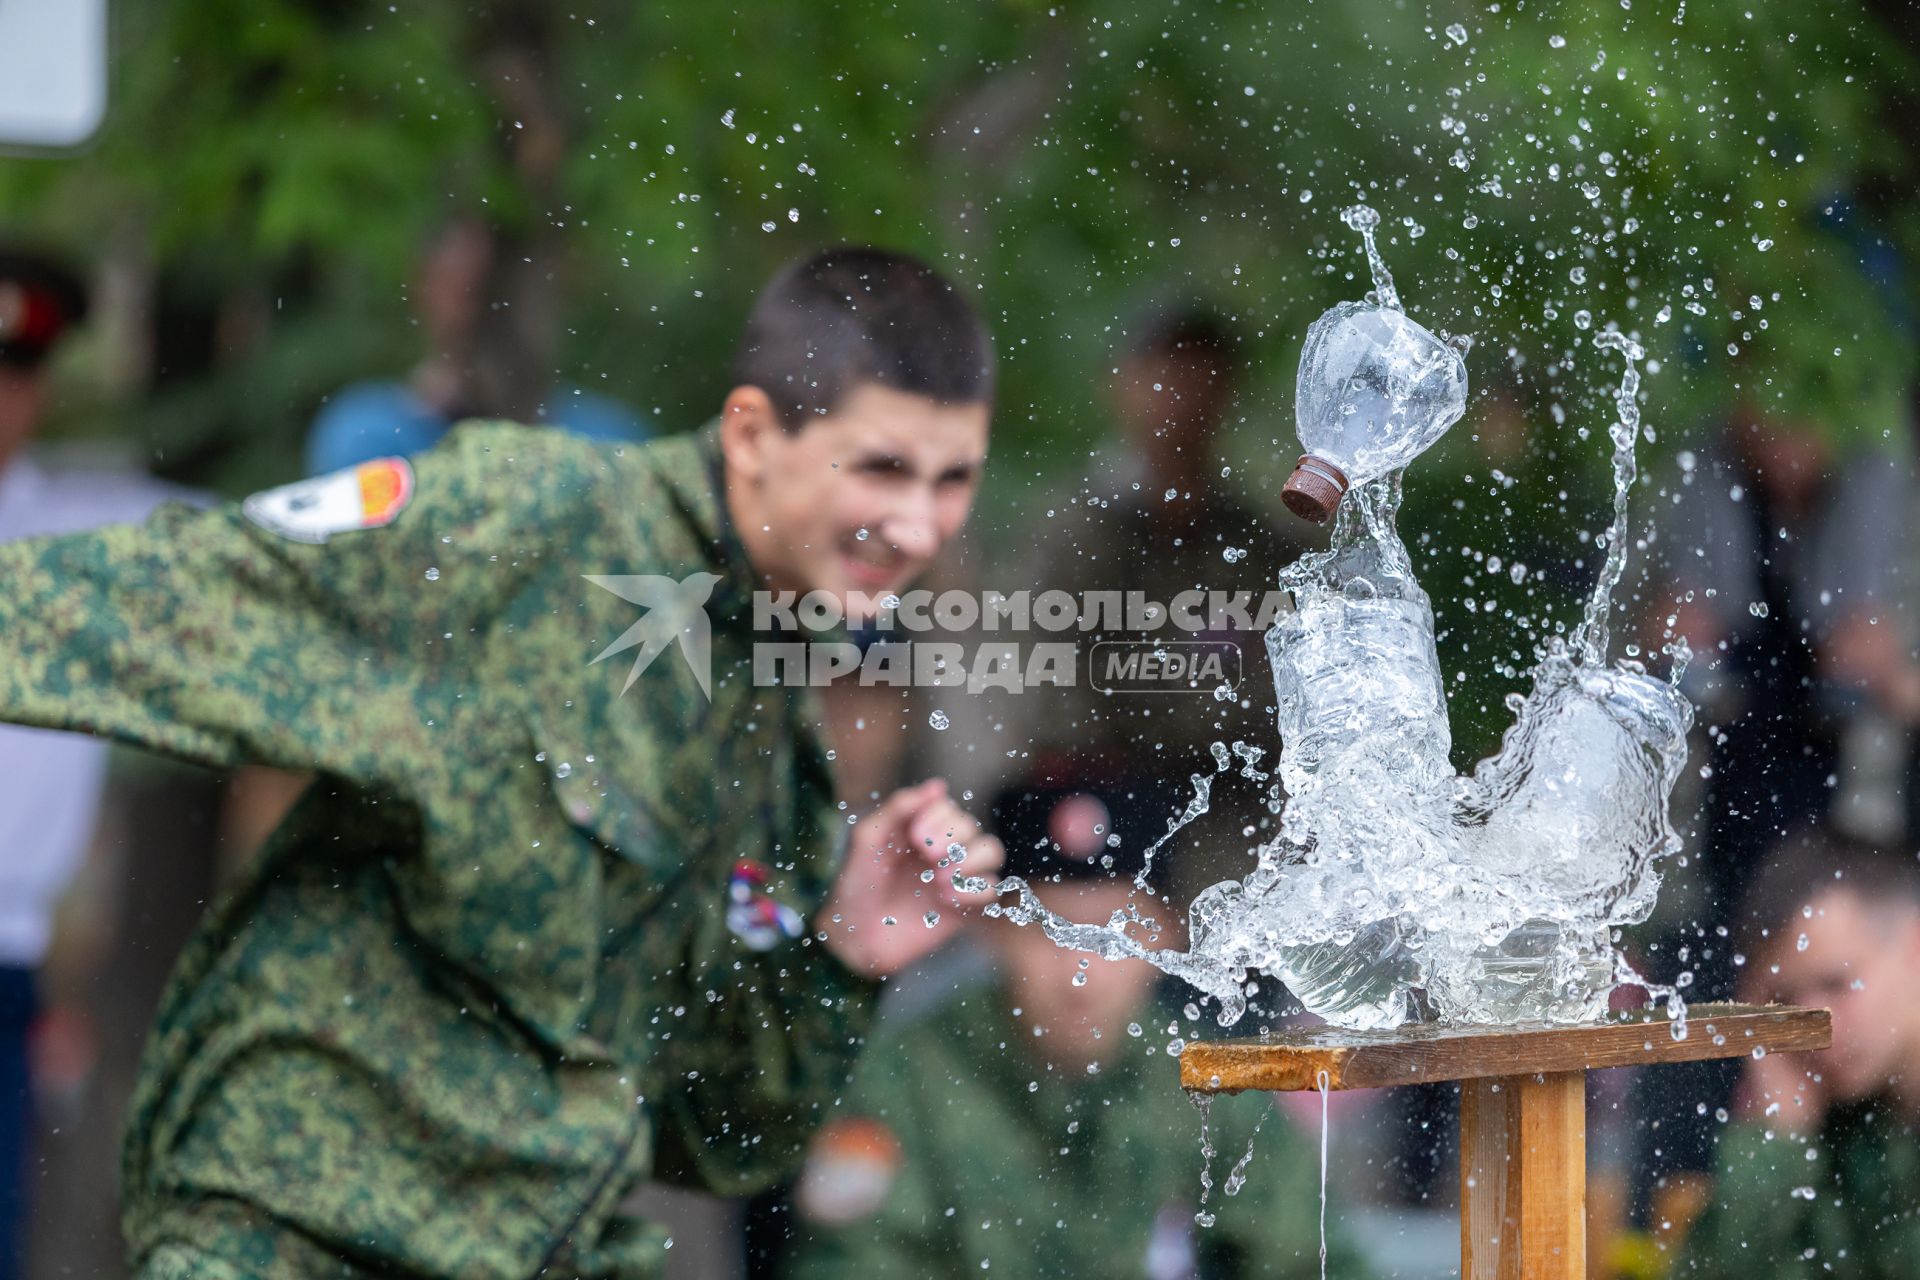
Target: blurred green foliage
[1732,181]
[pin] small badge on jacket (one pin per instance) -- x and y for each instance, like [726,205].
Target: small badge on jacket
[755,916]
[363,497]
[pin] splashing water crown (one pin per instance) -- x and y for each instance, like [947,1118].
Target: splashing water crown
[1375,390]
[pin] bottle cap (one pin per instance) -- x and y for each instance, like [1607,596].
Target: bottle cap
[1314,489]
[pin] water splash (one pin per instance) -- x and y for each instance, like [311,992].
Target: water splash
[1591,637]
[1364,219]
[1237,1178]
[1320,1082]
[1197,806]
[1395,888]
[1204,1101]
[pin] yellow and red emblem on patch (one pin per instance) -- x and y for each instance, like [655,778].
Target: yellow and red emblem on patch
[385,486]
[363,497]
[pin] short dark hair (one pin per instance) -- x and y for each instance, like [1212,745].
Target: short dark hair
[1817,860]
[1189,328]
[855,314]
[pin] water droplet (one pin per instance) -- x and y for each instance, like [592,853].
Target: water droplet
[563,770]
[888,920]
[433,575]
[861,535]
[1583,319]
[938,719]
[932,918]
[1457,33]
[769,225]
[1557,42]
[1759,609]
[1800,943]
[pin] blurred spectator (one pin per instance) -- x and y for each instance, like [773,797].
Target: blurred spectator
[1782,554]
[461,376]
[1782,566]
[1027,1127]
[1820,1172]
[1155,517]
[52,781]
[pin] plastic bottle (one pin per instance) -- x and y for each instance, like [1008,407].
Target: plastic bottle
[1355,668]
[1374,391]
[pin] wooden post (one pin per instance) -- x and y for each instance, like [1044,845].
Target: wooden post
[1523,1177]
[1523,1106]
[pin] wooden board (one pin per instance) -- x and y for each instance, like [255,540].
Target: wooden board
[1294,1060]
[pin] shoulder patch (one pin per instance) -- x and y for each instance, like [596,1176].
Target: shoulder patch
[363,497]
[850,1168]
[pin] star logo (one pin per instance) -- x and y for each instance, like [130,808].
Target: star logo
[676,610]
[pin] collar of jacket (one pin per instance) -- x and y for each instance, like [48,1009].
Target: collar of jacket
[694,473]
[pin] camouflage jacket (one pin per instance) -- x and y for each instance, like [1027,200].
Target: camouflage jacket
[966,1148]
[1851,1210]
[485,977]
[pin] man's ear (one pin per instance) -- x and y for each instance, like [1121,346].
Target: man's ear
[748,424]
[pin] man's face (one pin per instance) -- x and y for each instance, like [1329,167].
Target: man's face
[1863,962]
[858,502]
[1171,402]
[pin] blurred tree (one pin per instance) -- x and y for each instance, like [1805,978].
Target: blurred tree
[1732,181]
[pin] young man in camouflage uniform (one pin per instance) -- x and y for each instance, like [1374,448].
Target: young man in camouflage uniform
[1820,1174]
[545,926]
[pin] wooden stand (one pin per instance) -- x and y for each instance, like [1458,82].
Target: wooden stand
[1523,1130]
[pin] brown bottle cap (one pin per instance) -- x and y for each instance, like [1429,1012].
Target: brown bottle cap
[1314,489]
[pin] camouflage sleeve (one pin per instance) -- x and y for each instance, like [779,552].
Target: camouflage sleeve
[884,1130]
[1754,1222]
[210,637]
[769,1046]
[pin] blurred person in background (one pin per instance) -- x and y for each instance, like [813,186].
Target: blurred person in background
[469,370]
[1819,1173]
[1156,516]
[52,781]
[1782,564]
[1782,556]
[1025,1126]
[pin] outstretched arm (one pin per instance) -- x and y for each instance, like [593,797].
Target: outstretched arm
[209,636]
